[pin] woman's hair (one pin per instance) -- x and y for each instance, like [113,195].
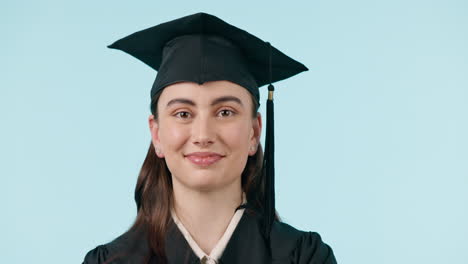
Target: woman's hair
[154,194]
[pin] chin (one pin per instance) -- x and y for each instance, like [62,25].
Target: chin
[203,180]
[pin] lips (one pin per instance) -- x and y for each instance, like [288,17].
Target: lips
[204,159]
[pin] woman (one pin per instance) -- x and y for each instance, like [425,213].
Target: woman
[205,192]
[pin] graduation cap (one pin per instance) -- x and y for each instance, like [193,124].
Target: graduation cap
[201,48]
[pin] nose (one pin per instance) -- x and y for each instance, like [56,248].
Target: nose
[203,131]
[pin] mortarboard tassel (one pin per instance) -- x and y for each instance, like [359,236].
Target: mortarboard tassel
[269,159]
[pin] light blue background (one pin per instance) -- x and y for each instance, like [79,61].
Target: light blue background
[372,148]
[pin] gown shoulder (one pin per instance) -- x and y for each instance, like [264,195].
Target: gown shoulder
[122,250]
[98,255]
[290,245]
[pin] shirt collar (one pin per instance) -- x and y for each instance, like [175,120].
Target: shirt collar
[216,253]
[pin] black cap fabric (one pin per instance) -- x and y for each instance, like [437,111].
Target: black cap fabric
[201,48]
[205,48]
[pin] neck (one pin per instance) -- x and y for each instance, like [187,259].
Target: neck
[206,214]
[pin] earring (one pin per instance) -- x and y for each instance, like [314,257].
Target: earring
[158,151]
[252,148]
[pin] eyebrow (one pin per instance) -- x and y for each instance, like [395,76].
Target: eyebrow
[228,98]
[180,101]
[218,100]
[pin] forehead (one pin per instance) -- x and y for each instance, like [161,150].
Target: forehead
[204,93]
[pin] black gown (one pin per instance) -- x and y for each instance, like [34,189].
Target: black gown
[246,246]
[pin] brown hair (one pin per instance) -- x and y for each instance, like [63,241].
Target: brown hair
[153,192]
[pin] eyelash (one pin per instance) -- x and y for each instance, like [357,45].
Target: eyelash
[178,114]
[228,110]
[181,112]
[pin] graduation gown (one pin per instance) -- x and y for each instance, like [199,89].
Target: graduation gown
[246,245]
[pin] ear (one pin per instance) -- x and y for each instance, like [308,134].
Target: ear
[255,134]
[154,130]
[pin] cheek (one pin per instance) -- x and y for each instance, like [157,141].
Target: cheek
[237,135]
[173,136]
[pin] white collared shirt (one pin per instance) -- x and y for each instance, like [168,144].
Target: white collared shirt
[218,249]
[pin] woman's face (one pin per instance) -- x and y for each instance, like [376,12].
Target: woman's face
[205,133]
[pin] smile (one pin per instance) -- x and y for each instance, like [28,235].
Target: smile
[204,159]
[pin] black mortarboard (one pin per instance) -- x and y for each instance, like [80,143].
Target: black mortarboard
[201,48]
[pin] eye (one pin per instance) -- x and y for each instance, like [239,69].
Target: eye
[225,113]
[182,114]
